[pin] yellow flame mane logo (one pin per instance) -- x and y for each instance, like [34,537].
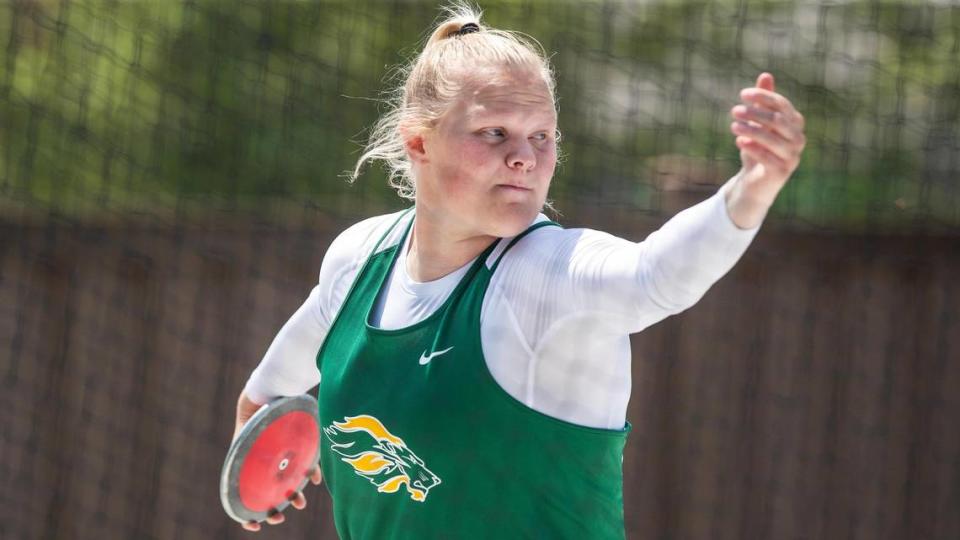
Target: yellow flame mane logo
[380,456]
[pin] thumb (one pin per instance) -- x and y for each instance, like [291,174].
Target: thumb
[765,81]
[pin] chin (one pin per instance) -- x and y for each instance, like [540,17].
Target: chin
[512,221]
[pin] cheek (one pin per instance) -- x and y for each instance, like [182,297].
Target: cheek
[466,169]
[547,163]
[476,155]
[550,159]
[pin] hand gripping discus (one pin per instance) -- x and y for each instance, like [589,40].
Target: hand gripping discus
[271,458]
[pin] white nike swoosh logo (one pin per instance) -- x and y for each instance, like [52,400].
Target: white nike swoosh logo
[424,359]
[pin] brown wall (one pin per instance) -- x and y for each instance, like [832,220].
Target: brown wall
[813,393]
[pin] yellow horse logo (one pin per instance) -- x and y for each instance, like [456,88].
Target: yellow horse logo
[380,457]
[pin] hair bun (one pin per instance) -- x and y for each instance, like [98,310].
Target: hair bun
[468,28]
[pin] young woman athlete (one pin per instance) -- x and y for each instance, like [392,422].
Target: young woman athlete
[474,357]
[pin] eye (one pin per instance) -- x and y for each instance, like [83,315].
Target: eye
[542,136]
[495,132]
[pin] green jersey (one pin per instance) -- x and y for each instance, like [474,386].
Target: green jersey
[419,440]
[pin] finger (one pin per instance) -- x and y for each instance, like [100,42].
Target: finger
[774,107]
[768,99]
[298,500]
[316,476]
[275,518]
[783,149]
[765,81]
[762,154]
[252,526]
[774,120]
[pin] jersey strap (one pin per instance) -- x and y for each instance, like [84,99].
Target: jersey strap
[519,237]
[391,228]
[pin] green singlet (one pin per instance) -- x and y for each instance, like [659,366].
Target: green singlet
[419,441]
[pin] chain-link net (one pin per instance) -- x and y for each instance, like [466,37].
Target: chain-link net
[171,172]
[159,108]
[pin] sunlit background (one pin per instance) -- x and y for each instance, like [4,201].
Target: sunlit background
[172,171]
[164,108]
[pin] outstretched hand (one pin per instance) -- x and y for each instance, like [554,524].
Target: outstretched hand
[769,134]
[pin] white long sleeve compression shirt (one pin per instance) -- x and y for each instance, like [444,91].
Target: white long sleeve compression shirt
[557,315]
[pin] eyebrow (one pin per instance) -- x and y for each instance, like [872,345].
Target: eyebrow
[486,115]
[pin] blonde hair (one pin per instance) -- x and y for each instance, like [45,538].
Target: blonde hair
[433,80]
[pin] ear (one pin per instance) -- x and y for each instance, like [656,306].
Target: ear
[414,145]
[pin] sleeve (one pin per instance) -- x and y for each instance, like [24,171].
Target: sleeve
[666,273]
[625,286]
[289,366]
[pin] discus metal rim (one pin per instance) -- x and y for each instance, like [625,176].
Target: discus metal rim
[240,447]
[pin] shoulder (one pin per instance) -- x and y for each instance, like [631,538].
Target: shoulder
[356,243]
[550,245]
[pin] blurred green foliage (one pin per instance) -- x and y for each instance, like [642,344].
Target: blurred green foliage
[144,108]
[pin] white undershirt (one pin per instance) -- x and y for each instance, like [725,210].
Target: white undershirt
[557,315]
[404,301]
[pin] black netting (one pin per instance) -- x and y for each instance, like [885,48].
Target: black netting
[172,171]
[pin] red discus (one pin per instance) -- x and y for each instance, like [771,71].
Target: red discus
[271,458]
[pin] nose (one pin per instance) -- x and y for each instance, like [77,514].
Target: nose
[521,157]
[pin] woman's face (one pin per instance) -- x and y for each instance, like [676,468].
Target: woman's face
[486,166]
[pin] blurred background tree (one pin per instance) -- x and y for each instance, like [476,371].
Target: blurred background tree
[810,394]
[158,107]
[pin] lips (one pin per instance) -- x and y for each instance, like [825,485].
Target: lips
[513,187]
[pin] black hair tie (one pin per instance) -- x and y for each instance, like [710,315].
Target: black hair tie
[468,28]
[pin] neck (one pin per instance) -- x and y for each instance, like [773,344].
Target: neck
[437,250]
